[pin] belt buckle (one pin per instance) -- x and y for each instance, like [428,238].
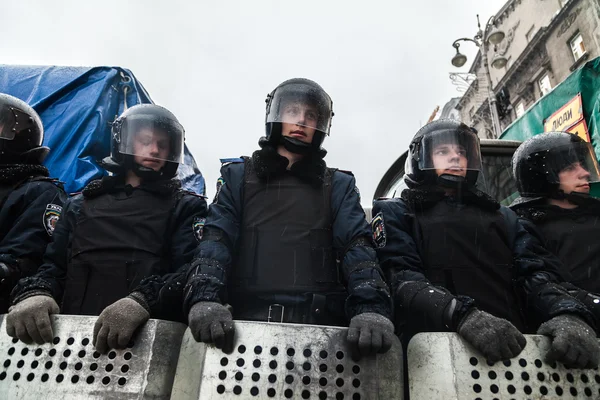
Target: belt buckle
[271,307]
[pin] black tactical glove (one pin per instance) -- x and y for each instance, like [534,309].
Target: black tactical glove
[370,333]
[117,323]
[574,342]
[29,320]
[212,323]
[496,338]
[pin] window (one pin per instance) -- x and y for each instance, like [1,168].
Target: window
[496,178]
[530,33]
[397,188]
[577,46]
[545,85]
[520,109]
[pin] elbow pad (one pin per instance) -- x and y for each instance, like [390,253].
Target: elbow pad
[429,306]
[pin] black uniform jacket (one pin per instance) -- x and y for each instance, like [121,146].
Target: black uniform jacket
[572,236]
[110,237]
[215,272]
[30,205]
[444,255]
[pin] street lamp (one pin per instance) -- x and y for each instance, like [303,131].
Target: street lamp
[499,61]
[483,38]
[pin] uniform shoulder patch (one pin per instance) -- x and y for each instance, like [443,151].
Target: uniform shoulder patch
[378,229]
[220,183]
[198,227]
[51,216]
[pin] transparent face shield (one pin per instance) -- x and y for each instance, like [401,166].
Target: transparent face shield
[301,105]
[153,141]
[450,152]
[573,162]
[13,121]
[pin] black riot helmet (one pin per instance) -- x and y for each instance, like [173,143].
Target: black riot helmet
[538,161]
[444,137]
[301,102]
[21,133]
[153,134]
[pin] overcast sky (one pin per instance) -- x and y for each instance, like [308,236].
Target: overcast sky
[384,63]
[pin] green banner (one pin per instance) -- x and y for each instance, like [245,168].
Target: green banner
[584,81]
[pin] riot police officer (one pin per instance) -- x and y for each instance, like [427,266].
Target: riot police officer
[554,171]
[455,258]
[277,225]
[120,229]
[30,201]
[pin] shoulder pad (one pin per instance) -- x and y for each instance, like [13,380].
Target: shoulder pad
[227,161]
[74,198]
[55,181]
[346,172]
[191,193]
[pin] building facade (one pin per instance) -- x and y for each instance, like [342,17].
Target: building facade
[545,41]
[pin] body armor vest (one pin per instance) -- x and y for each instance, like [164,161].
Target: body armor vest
[118,240]
[467,250]
[286,243]
[573,238]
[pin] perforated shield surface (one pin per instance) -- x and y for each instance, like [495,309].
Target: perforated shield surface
[442,366]
[71,368]
[285,361]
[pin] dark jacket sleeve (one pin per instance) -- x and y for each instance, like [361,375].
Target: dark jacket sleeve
[352,240]
[31,209]
[50,277]
[163,295]
[588,299]
[419,306]
[185,230]
[539,277]
[207,275]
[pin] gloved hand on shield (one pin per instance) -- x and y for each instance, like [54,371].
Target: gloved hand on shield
[117,323]
[369,334]
[212,322]
[29,319]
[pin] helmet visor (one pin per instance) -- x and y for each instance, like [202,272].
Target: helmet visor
[152,140]
[302,105]
[576,159]
[452,152]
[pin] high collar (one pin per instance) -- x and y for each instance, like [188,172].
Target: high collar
[116,183]
[269,164]
[541,211]
[13,173]
[427,196]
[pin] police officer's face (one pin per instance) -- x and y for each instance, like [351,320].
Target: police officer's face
[299,121]
[574,178]
[450,159]
[151,148]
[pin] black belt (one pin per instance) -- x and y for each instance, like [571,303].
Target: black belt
[314,309]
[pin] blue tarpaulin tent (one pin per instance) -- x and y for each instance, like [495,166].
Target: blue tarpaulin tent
[77,106]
